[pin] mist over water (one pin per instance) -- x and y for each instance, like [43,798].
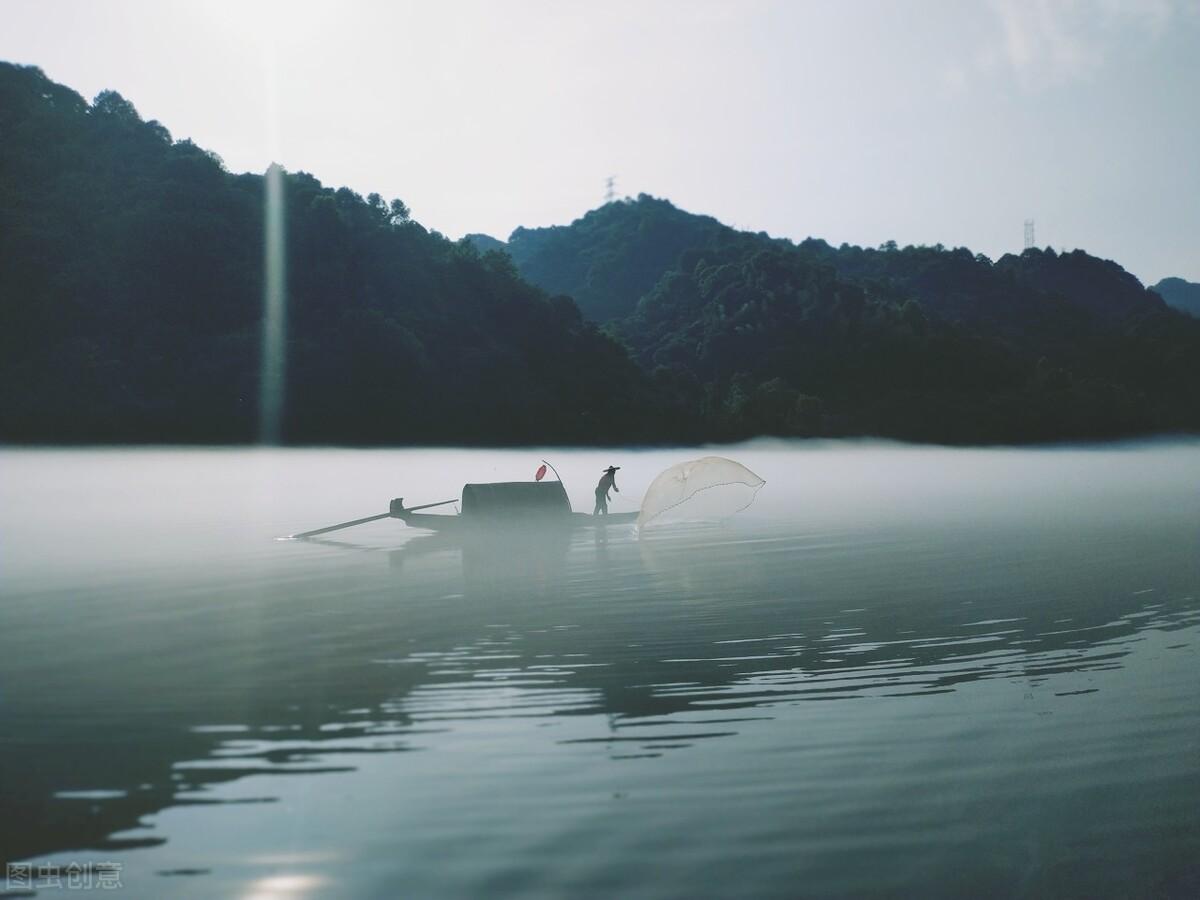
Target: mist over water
[902,672]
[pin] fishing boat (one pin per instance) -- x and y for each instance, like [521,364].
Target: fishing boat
[525,503]
[492,507]
[503,505]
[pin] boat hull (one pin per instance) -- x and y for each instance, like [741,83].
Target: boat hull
[461,523]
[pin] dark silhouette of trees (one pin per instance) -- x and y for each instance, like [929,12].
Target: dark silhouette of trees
[131,283]
[611,256]
[1180,294]
[762,336]
[131,286]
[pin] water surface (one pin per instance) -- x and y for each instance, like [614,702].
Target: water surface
[903,672]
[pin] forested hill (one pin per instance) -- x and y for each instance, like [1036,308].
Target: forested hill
[131,310]
[926,343]
[1183,295]
[610,257]
[131,303]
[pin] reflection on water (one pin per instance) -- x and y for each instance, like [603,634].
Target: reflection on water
[884,696]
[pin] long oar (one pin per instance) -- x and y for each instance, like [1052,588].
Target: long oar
[339,526]
[353,522]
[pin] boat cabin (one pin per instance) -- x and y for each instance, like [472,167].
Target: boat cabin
[523,499]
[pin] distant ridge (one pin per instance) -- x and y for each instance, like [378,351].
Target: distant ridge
[1182,295]
[612,255]
[484,243]
[926,343]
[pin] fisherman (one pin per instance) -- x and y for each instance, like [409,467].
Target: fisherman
[607,482]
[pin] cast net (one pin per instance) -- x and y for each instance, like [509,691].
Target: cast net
[699,490]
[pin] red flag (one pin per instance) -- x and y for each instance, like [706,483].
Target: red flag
[541,472]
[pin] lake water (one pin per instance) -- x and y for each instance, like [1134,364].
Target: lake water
[903,672]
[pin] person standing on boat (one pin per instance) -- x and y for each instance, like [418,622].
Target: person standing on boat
[608,482]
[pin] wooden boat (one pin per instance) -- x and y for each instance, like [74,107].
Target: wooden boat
[496,507]
[506,504]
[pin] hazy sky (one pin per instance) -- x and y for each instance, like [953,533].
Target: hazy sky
[922,122]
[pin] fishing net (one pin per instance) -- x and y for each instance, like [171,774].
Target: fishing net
[699,490]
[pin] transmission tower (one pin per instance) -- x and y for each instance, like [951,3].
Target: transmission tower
[610,188]
[1029,241]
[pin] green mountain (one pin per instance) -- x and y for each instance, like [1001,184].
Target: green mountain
[1180,294]
[926,343]
[131,303]
[613,255]
[131,310]
[485,243]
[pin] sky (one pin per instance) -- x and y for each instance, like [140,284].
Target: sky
[940,121]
